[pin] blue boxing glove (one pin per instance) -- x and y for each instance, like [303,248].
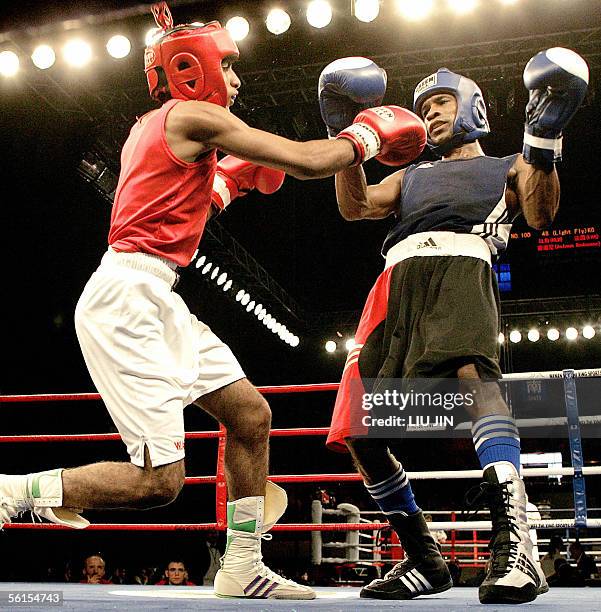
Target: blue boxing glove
[346,87]
[557,79]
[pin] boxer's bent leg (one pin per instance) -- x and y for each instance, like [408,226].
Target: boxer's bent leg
[114,484]
[247,417]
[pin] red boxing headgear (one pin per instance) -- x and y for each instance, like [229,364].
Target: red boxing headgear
[190,57]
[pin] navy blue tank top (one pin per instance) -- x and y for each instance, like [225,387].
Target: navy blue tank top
[466,196]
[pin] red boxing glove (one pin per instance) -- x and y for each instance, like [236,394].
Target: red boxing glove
[235,178]
[393,135]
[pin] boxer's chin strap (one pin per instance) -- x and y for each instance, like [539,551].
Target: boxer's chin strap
[276,502]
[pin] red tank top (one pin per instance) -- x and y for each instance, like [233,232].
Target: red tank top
[161,202]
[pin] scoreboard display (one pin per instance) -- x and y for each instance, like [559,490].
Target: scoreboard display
[556,261]
[584,238]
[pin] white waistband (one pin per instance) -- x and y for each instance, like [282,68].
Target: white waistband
[145,262]
[432,244]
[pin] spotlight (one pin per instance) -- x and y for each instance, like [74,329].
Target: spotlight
[250,306]
[571,333]
[501,338]
[118,46]
[240,295]
[414,10]
[462,6]
[9,63]
[515,336]
[258,308]
[238,27]
[319,13]
[261,315]
[278,21]
[77,53]
[588,331]
[533,335]
[350,344]
[200,261]
[227,285]
[553,334]
[215,272]
[330,346]
[367,10]
[294,341]
[151,35]
[43,57]
[222,278]
[245,299]
[207,267]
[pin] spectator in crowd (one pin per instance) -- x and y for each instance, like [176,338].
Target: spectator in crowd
[68,574]
[121,576]
[145,575]
[94,570]
[176,574]
[554,550]
[214,556]
[565,575]
[440,536]
[585,565]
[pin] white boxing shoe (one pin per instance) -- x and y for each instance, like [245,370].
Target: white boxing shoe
[243,573]
[40,493]
[513,575]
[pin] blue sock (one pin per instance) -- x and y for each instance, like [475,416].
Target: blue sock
[496,438]
[394,495]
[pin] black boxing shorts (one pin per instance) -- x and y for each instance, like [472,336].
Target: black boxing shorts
[425,317]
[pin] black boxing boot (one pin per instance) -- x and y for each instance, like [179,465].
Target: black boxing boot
[513,576]
[423,571]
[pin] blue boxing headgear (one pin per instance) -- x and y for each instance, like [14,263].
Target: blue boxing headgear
[471,122]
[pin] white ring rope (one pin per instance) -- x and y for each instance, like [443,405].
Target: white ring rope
[526,472]
[559,374]
[592,419]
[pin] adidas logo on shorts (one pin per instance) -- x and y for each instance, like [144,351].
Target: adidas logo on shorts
[427,244]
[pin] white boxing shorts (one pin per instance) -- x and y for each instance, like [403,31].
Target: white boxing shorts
[148,356]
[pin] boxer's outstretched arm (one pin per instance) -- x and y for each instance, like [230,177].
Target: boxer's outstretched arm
[215,127]
[357,200]
[537,192]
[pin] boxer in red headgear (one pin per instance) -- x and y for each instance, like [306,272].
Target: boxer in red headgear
[147,354]
[184,62]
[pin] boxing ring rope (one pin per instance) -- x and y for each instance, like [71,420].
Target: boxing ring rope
[279,389]
[577,470]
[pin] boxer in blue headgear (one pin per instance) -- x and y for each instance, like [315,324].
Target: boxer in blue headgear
[433,312]
[470,123]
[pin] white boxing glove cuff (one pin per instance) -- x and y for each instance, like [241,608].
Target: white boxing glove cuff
[365,138]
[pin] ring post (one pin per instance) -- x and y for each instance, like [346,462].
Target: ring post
[221,485]
[571,399]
